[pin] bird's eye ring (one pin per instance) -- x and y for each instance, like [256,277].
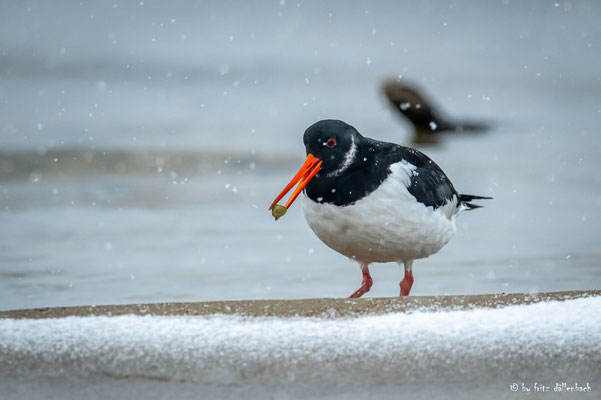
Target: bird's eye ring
[331,142]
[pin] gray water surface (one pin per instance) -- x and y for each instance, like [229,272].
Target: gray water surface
[142,142]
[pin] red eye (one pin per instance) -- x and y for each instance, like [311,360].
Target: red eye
[331,142]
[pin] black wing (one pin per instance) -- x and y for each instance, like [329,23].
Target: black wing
[429,184]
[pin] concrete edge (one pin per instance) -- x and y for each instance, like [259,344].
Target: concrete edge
[321,307]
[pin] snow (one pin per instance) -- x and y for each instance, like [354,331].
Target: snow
[552,341]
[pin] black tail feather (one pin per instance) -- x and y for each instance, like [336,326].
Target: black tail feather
[466,198]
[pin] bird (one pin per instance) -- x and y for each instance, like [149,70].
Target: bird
[373,201]
[428,121]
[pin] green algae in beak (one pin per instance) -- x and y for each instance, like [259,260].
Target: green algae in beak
[278,211]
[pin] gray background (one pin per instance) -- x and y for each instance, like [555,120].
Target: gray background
[142,142]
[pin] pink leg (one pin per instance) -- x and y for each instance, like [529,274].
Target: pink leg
[365,285]
[407,281]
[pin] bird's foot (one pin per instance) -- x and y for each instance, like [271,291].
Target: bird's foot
[406,283]
[365,285]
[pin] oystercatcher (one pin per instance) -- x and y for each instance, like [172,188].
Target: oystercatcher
[427,120]
[374,201]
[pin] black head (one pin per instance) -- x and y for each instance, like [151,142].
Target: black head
[333,148]
[333,142]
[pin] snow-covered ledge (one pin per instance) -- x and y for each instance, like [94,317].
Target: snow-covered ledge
[544,338]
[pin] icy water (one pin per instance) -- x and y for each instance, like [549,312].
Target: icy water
[142,142]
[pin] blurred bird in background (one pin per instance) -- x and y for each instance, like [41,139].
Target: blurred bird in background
[428,121]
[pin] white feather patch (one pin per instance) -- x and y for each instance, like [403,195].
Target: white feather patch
[349,157]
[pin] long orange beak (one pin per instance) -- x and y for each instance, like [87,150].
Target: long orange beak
[304,175]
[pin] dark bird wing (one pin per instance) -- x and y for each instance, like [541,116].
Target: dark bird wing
[429,184]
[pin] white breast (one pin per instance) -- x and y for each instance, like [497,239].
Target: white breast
[387,225]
